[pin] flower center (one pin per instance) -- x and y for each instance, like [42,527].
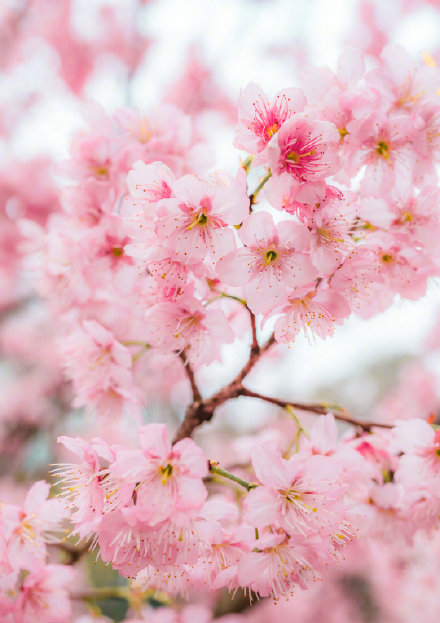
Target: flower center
[166,471]
[387,258]
[406,217]
[100,171]
[270,256]
[295,157]
[198,220]
[383,149]
[273,129]
[144,131]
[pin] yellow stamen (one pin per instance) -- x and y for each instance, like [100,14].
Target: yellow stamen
[295,157]
[383,149]
[272,130]
[199,219]
[166,473]
[271,256]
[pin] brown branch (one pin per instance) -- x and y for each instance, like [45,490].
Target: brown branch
[202,410]
[318,409]
[254,345]
[197,397]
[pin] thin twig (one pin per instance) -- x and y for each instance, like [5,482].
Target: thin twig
[197,397]
[253,197]
[202,410]
[254,345]
[317,408]
[215,469]
[102,592]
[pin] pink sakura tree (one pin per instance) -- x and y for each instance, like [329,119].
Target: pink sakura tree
[151,267]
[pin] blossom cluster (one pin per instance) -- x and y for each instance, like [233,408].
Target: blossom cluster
[29,586]
[149,511]
[149,255]
[151,262]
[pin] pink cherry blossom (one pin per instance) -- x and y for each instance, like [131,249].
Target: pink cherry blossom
[276,567]
[100,367]
[328,232]
[260,118]
[45,594]
[306,149]
[269,262]
[197,220]
[302,495]
[86,487]
[315,311]
[186,324]
[26,531]
[168,478]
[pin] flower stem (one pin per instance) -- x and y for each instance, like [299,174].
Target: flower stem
[215,469]
[254,195]
[140,353]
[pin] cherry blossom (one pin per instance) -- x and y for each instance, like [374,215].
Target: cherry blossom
[268,263]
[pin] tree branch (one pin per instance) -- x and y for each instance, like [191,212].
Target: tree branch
[318,409]
[197,397]
[202,410]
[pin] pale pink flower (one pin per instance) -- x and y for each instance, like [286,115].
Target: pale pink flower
[421,445]
[26,531]
[275,566]
[86,487]
[184,323]
[197,221]
[165,134]
[149,183]
[260,118]
[402,266]
[403,212]
[303,494]
[337,96]
[168,478]
[130,543]
[387,148]
[133,545]
[101,370]
[315,311]
[400,83]
[306,149]
[269,263]
[44,595]
[360,282]
[327,232]
[218,567]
